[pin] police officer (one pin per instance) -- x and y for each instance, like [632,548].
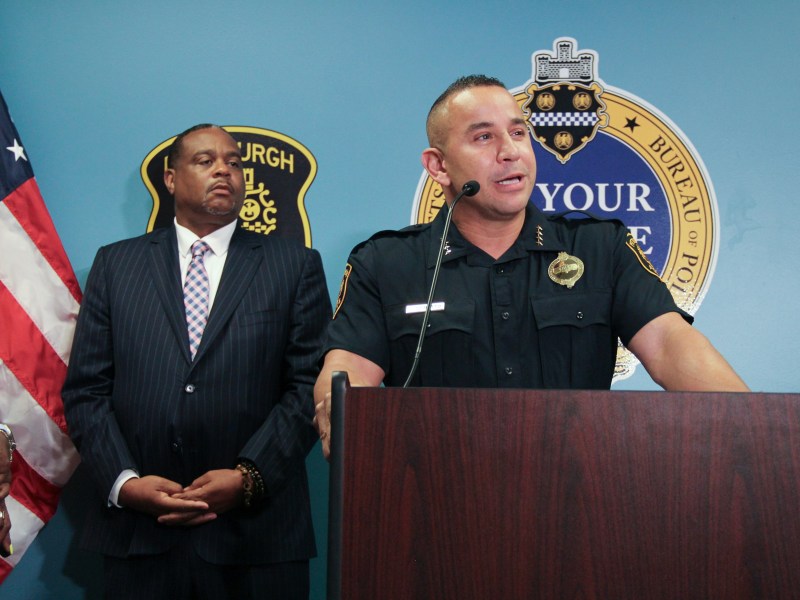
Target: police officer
[522,301]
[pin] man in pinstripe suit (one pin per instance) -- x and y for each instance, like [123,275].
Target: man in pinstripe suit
[199,461]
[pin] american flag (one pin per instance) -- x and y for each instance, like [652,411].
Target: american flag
[39,299]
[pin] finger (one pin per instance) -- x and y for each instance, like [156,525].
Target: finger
[5,548]
[319,412]
[161,484]
[180,505]
[193,495]
[326,448]
[178,518]
[204,479]
[188,490]
[322,423]
[186,519]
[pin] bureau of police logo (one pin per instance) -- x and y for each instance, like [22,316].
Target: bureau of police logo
[603,150]
[563,103]
[278,171]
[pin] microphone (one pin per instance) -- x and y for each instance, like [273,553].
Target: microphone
[468,189]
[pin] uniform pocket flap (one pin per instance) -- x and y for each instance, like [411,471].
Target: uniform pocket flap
[576,310]
[456,316]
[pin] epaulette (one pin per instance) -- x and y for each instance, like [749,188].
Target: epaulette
[394,233]
[417,228]
[585,213]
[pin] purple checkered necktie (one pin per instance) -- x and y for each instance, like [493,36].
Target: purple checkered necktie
[195,295]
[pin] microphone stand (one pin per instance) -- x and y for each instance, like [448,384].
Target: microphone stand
[469,189]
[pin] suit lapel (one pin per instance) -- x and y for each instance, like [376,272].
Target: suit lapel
[166,273]
[240,268]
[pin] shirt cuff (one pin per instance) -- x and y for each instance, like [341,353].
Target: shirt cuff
[113,497]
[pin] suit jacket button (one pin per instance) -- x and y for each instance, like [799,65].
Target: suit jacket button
[176,447]
[189,389]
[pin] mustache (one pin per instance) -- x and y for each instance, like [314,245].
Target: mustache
[226,185]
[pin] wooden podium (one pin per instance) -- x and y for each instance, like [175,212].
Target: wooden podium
[511,494]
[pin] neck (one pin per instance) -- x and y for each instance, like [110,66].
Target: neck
[202,229]
[492,236]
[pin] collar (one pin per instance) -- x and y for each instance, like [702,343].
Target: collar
[219,241]
[537,235]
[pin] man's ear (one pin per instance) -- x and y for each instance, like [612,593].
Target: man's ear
[169,180]
[433,161]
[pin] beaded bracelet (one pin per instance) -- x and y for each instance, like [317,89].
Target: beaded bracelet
[252,483]
[247,485]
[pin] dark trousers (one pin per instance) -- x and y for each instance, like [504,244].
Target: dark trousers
[181,574]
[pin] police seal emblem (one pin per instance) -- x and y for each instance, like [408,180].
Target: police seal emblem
[563,104]
[606,151]
[278,171]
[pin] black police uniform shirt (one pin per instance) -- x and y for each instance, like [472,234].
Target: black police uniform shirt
[504,322]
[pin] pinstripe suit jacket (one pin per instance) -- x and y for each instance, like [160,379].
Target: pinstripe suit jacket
[135,400]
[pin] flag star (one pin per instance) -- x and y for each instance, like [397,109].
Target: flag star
[19,151]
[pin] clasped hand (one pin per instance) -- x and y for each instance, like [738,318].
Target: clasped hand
[209,495]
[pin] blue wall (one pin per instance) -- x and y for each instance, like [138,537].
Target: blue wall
[93,86]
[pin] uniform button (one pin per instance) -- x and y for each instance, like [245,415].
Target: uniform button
[505,316]
[189,389]
[501,270]
[579,315]
[176,447]
[509,371]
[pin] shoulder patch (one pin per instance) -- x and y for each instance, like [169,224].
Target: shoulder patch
[343,289]
[630,242]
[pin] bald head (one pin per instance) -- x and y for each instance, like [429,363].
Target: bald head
[436,124]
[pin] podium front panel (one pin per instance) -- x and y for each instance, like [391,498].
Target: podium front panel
[492,494]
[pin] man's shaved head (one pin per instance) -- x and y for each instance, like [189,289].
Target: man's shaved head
[434,124]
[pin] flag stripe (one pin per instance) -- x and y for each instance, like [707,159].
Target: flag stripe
[43,445]
[26,206]
[32,491]
[24,526]
[27,354]
[25,273]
